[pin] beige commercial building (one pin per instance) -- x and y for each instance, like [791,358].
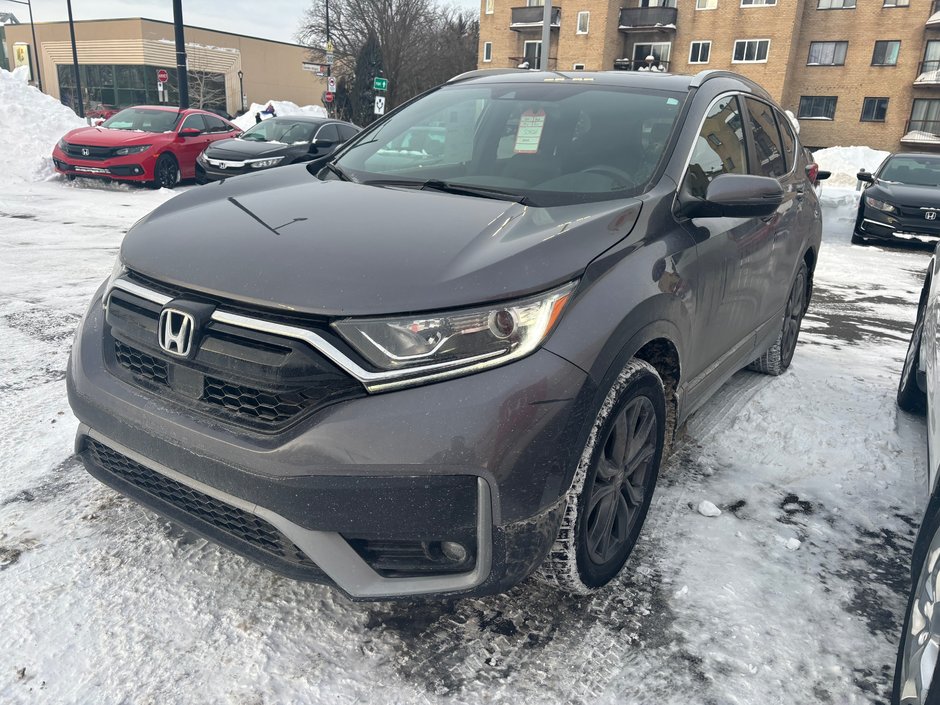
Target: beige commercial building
[120,61]
[853,71]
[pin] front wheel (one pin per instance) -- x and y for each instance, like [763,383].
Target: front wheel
[613,484]
[910,396]
[166,172]
[779,355]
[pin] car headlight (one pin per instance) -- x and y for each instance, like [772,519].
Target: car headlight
[116,271]
[265,163]
[63,145]
[474,338]
[880,205]
[124,151]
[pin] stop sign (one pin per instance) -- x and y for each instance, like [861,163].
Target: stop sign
[163,76]
[328,97]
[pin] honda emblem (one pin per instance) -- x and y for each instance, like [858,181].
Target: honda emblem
[85,151]
[930,215]
[176,331]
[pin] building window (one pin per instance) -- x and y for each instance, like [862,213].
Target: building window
[818,107]
[706,4]
[756,3]
[874,110]
[750,51]
[827,53]
[835,5]
[577,67]
[925,116]
[533,53]
[535,3]
[886,53]
[487,51]
[489,6]
[660,51]
[897,3]
[699,52]
[584,19]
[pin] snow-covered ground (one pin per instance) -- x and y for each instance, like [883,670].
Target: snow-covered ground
[793,594]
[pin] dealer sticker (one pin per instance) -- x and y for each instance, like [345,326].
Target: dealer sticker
[529,133]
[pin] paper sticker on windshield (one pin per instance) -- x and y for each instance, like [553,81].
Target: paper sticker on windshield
[529,133]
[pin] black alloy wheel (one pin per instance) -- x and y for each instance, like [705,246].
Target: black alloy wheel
[166,173]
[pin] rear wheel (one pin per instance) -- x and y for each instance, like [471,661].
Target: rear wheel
[910,396]
[166,172]
[613,483]
[779,355]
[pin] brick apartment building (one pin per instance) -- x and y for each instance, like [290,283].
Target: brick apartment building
[854,71]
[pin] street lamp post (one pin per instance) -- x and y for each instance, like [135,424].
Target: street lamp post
[241,89]
[182,78]
[78,78]
[32,29]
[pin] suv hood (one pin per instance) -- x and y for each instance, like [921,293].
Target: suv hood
[283,239]
[104,137]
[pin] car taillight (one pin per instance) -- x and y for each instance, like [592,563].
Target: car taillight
[812,171]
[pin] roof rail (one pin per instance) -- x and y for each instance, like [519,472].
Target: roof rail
[483,72]
[702,76]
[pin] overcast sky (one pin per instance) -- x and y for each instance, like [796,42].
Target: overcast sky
[271,19]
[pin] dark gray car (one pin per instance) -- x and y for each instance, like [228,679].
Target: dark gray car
[458,354]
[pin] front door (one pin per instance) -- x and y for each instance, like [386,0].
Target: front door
[188,148]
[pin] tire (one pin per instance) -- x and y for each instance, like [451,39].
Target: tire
[166,172]
[910,396]
[858,239]
[613,484]
[912,654]
[778,356]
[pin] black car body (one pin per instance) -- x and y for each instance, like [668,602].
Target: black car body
[901,200]
[277,141]
[423,379]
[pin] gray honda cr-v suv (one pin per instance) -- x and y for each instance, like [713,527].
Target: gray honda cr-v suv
[459,352]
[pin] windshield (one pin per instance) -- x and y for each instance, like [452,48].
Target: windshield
[917,171]
[144,120]
[553,143]
[281,130]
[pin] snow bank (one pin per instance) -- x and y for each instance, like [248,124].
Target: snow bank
[31,123]
[846,162]
[282,108]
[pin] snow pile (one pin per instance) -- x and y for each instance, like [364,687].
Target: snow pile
[281,108]
[30,125]
[846,162]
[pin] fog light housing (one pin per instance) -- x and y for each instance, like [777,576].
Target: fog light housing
[453,551]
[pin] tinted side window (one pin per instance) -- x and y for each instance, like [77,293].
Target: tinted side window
[719,149]
[215,124]
[789,141]
[346,132]
[195,121]
[328,133]
[769,159]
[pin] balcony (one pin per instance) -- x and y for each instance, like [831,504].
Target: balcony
[634,19]
[533,62]
[928,74]
[530,18]
[640,65]
[933,22]
[922,132]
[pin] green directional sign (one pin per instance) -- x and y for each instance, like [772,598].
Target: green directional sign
[380,84]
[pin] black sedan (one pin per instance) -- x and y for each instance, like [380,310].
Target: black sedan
[901,201]
[273,142]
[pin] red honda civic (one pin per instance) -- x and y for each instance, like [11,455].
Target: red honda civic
[151,144]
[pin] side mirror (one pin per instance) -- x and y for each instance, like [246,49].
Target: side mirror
[322,143]
[823,175]
[866,177]
[737,196]
[190,132]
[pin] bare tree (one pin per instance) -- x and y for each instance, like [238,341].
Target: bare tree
[206,89]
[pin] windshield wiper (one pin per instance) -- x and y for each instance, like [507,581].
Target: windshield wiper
[480,191]
[450,187]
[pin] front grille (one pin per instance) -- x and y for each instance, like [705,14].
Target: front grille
[94,153]
[140,364]
[233,521]
[271,407]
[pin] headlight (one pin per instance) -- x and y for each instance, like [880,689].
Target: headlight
[478,338]
[116,271]
[880,205]
[265,163]
[63,145]
[123,151]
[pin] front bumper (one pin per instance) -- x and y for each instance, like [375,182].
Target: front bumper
[909,224]
[136,167]
[206,173]
[483,461]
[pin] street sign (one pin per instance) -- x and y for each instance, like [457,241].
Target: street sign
[379,84]
[329,58]
[329,47]
[328,97]
[380,105]
[331,84]
[163,76]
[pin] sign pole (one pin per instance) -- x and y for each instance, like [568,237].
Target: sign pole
[329,49]
[78,78]
[182,79]
[546,35]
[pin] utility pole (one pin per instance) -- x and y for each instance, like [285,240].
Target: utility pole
[32,29]
[546,34]
[78,78]
[329,50]
[182,79]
